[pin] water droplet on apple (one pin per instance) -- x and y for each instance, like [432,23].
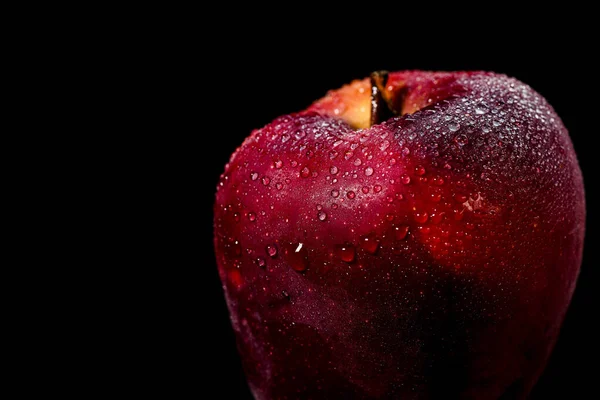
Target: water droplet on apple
[419,170]
[333,154]
[400,232]
[438,181]
[421,217]
[405,151]
[236,217]
[405,179]
[322,215]
[377,188]
[424,230]
[252,216]
[369,243]
[266,180]
[305,172]
[357,162]
[365,189]
[333,170]
[348,154]
[351,194]
[481,109]
[254,176]
[285,137]
[335,193]
[279,185]
[278,164]
[453,127]
[436,197]
[261,262]
[461,140]
[346,252]
[437,217]
[272,250]
[368,171]
[384,145]
[296,254]
[389,217]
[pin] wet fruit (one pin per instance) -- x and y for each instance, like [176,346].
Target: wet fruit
[414,235]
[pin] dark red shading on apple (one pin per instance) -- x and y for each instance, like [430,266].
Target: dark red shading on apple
[431,255]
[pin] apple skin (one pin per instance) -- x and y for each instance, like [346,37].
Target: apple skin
[432,256]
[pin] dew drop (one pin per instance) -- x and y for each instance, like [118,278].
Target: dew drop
[369,243]
[436,218]
[333,170]
[236,217]
[278,164]
[461,140]
[347,155]
[305,172]
[438,181]
[377,188]
[368,171]
[453,127]
[322,215]
[335,193]
[389,217]
[252,216]
[346,252]
[351,194]
[400,232]
[405,179]
[424,230]
[419,170]
[294,163]
[480,109]
[357,162]
[261,262]
[365,189]
[285,138]
[384,145]
[279,185]
[296,255]
[421,217]
[405,151]
[266,180]
[254,176]
[436,197]
[272,250]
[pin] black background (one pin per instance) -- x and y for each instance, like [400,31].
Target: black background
[260,75]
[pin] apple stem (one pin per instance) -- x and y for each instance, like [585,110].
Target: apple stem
[380,107]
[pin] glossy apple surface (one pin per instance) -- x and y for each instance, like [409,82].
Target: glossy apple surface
[431,255]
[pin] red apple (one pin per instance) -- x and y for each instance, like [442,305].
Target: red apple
[413,236]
